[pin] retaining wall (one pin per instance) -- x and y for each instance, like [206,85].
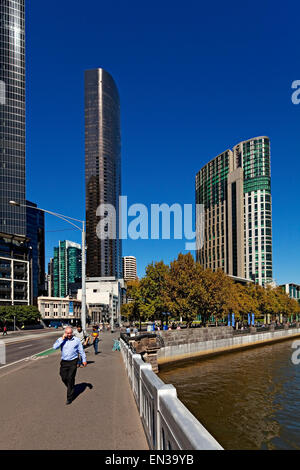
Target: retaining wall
[183,344]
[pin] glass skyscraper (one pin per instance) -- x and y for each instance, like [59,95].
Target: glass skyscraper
[36,235]
[235,189]
[12,116]
[102,171]
[66,267]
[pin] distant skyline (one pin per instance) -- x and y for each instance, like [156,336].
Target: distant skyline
[193,81]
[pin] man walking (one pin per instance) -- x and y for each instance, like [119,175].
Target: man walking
[70,348]
[78,333]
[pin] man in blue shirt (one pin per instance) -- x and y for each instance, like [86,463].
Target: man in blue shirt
[70,348]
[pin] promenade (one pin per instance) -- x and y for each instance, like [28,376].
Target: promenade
[34,415]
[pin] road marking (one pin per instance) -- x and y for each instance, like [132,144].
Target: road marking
[28,358]
[22,347]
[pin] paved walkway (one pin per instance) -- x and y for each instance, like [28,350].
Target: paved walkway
[34,415]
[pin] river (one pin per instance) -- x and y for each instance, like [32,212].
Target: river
[247,400]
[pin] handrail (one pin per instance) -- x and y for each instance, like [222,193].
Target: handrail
[168,424]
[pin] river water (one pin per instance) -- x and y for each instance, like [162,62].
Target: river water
[247,400]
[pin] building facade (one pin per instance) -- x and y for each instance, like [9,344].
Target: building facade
[293,291]
[50,283]
[102,172]
[129,268]
[66,267]
[35,228]
[15,270]
[235,190]
[12,116]
[55,308]
[104,297]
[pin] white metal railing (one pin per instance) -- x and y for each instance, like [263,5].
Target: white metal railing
[168,424]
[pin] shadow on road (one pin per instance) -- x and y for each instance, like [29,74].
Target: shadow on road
[80,388]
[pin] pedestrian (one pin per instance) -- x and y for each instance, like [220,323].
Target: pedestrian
[78,333]
[4,330]
[95,336]
[70,348]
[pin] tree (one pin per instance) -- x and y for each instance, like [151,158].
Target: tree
[152,291]
[22,313]
[182,290]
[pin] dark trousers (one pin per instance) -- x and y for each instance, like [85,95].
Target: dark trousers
[95,344]
[67,372]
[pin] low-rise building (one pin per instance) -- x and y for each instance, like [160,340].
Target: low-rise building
[104,295]
[55,308]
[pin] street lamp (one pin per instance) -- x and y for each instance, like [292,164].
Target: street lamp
[82,230]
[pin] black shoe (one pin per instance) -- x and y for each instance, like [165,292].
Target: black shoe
[68,402]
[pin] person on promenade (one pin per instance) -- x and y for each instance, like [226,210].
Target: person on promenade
[95,336]
[78,333]
[4,330]
[70,348]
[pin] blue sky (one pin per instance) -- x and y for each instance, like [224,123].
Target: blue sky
[194,79]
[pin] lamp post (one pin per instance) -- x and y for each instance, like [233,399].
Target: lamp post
[111,301]
[82,230]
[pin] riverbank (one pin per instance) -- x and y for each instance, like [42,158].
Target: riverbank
[179,345]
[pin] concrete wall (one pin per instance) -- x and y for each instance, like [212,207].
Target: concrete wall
[183,344]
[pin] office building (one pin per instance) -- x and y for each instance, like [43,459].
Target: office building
[104,297]
[129,268]
[12,116]
[292,290]
[235,190]
[66,267]
[35,227]
[67,310]
[102,172]
[50,289]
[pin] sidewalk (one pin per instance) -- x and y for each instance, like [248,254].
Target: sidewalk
[34,415]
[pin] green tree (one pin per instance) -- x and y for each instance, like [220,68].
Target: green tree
[26,314]
[182,290]
[152,291]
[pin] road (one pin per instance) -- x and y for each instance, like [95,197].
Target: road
[19,347]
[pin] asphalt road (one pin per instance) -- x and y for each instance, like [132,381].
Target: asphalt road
[18,348]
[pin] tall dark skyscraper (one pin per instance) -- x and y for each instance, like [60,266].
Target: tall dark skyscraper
[36,236]
[12,116]
[102,170]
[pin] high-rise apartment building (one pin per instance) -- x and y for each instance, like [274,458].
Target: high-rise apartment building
[102,171]
[235,190]
[66,267]
[129,268]
[15,270]
[12,116]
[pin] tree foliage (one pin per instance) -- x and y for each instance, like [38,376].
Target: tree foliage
[186,290]
[24,314]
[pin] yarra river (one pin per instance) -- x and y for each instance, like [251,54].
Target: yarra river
[247,400]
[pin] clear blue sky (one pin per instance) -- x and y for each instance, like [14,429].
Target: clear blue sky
[194,79]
